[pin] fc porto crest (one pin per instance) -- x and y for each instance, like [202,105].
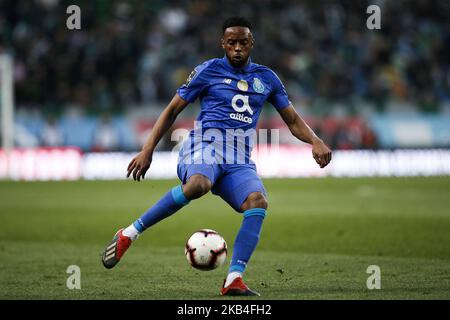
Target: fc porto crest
[258,85]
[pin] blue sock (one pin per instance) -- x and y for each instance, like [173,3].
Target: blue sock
[247,239]
[170,203]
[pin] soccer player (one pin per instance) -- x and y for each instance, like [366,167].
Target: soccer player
[232,91]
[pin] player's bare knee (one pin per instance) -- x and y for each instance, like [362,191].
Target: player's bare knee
[197,186]
[255,200]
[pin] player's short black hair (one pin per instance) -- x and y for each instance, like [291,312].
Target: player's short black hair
[236,22]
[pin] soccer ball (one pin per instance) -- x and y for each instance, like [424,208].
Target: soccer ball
[206,250]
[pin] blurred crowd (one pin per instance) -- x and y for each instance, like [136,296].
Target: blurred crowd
[136,53]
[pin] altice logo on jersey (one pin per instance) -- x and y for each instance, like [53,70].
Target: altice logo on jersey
[242,100]
[226,146]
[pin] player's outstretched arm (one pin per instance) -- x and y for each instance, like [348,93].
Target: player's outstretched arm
[141,163]
[301,130]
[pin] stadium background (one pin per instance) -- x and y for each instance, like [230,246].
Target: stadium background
[85,100]
[101,88]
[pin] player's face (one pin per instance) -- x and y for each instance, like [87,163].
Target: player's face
[237,43]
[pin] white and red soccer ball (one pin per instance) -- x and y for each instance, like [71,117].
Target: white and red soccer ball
[206,250]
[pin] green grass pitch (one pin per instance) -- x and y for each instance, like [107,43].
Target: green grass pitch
[318,239]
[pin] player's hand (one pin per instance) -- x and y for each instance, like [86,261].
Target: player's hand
[139,165]
[321,153]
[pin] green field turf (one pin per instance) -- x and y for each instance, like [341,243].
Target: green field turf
[318,239]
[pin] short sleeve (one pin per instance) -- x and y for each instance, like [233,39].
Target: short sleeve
[194,84]
[278,97]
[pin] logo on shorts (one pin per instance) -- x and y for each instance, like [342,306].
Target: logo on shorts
[258,85]
[242,85]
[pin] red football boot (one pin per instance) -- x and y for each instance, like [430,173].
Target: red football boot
[237,288]
[115,249]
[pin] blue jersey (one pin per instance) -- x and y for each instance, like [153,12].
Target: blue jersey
[231,99]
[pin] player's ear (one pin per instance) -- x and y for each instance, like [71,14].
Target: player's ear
[222,43]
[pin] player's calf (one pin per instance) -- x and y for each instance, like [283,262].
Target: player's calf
[244,246]
[170,203]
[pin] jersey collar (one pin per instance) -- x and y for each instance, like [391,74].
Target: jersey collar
[230,67]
